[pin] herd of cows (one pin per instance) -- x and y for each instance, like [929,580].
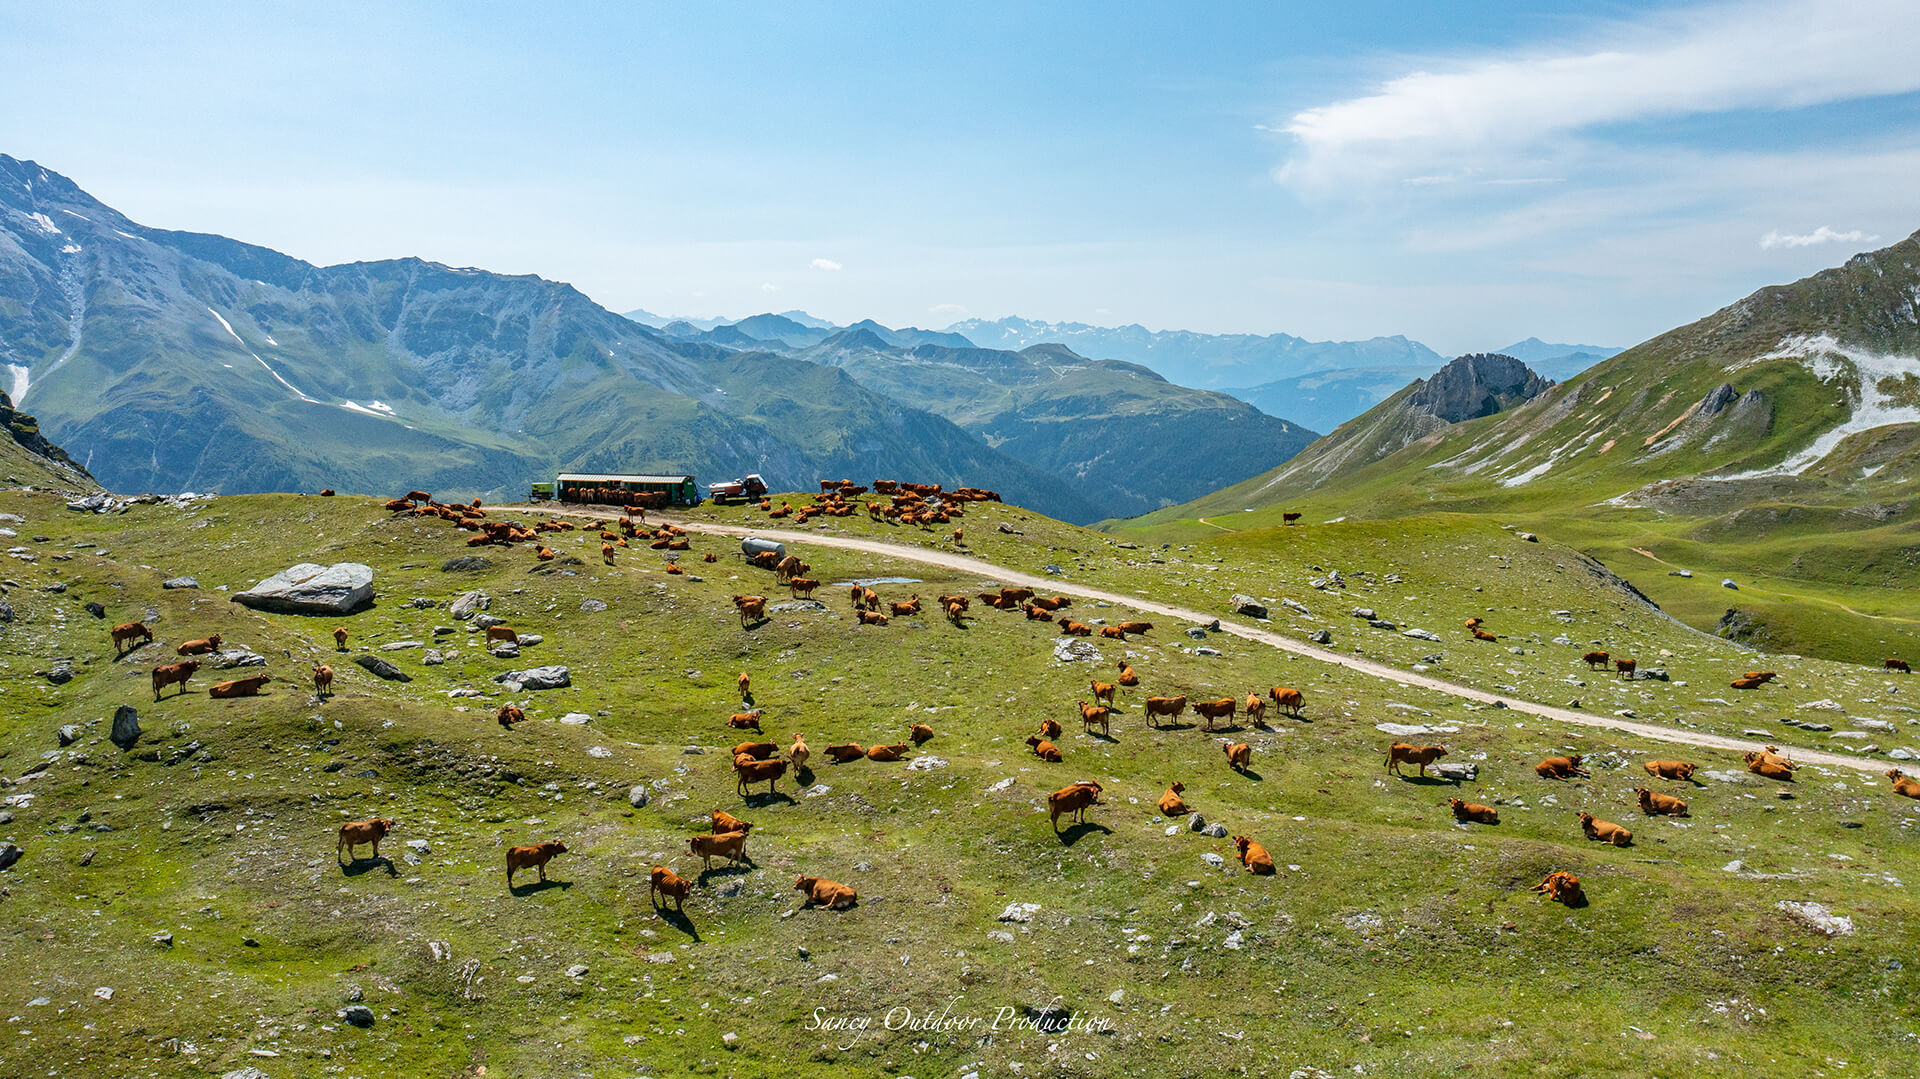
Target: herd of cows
[758,762]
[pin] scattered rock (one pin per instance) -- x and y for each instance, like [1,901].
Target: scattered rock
[578,970]
[163,940]
[68,734]
[433,657]
[1365,612]
[1075,650]
[468,604]
[96,610]
[399,646]
[638,797]
[60,673]
[1425,635]
[1679,573]
[1019,912]
[358,1014]
[1196,633]
[1817,918]
[244,1073]
[925,764]
[1320,636]
[9,854]
[1217,831]
[126,726]
[555,677]
[1407,730]
[1727,582]
[239,657]
[469,563]
[341,588]
[575,719]
[1196,823]
[380,668]
[180,582]
[505,650]
[1457,771]
[1213,859]
[1382,623]
[1528,537]
[593,606]
[792,606]
[1204,651]
[1249,606]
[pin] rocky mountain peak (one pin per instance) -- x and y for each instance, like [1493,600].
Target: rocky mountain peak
[1476,385]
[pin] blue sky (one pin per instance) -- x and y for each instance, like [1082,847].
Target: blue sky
[1465,174]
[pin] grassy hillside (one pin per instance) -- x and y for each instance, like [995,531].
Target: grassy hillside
[214,828]
[1775,442]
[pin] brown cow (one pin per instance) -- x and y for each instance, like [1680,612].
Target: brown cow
[340,638]
[1111,633]
[846,751]
[1902,785]
[1256,708]
[127,631]
[173,672]
[1561,768]
[745,721]
[239,687]
[1253,856]
[920,733]
[1223,708]
[755,751]
[1287,517]
[200,647]
[1748,682]
[1070,628]
[801,586]
[606,553]
[826,893]
[870,599]
[1036,614]
[751,772]
[1135,628]
[1562,887]
[1668,769]
[731,845]
[1290,701]
[665,882]
[1044,749]
[1596,659]
[1127,677]
[1075,800]
[955,611]
[724,822]
[869,618]
[1763,676]
[1049,729]
[1239,755]
[1171,707]
[1899,665]
[418,496]
[798,752]
[1625,667]
[323,680]
[902,610]
[534,857]
[1170,804]
[358,832]
[1103,691]
[508,715]
[1655,804]
[1482,635]
[752,608]
[1094,715]
[502,633]
[1769,765]
[1473,811]
[1605,831]
[746,686]
[1473,623]
[1405,753]
[886,753]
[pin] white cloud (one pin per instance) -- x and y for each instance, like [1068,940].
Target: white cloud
[768,286]
[824,264]
[1821,235]
[946,309]
[1776,54]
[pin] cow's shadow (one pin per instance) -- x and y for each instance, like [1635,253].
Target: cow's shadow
[1248,773]
[803,775]
[676,918]
[1172,725]
[538,886]
[761,801]
[1429,780]
[1073,833]
[745,865]
[367,865]
[756,623]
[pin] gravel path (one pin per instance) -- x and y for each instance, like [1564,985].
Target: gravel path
[1369,667]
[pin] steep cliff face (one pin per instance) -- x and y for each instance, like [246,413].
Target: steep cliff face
[1476,385]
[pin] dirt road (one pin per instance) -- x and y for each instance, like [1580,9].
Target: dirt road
[1371,668]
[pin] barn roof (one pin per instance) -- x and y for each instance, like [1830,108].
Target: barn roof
[615,477]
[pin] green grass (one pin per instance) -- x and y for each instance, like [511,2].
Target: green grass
[1401,942]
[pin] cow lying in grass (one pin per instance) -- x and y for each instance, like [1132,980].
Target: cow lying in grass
[826,893]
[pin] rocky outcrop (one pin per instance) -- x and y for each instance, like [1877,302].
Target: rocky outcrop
[26,431]
[341,588]
[1476,385]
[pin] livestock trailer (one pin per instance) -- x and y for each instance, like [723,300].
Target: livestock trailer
[611,488]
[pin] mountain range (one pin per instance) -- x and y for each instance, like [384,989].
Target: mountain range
[172,360]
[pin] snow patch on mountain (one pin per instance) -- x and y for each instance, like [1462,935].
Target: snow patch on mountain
[228,326]
[1862,374]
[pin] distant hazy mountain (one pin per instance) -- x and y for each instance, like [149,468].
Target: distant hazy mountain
[1557,362]
[1130,440]
[1324,400]
[1198,359]
[167,361]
